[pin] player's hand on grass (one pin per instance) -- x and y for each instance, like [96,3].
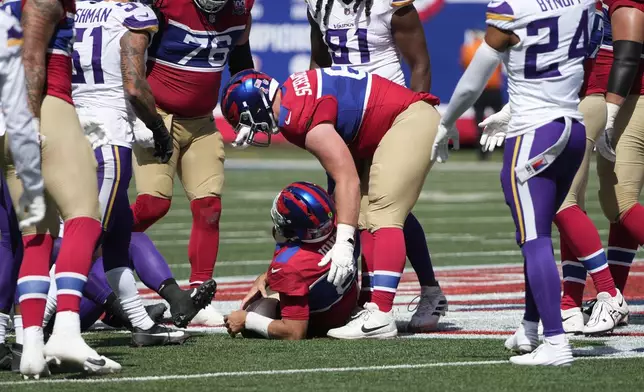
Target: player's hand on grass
[235,322]
[440,149]
[341,256]
[33,210]
[258,289]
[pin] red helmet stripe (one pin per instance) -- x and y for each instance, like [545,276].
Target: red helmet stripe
[302,206]
[308,187]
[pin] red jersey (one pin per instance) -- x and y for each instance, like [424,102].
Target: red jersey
[305,293]
[361,106]
[600,70]
[59,51]
[187,57]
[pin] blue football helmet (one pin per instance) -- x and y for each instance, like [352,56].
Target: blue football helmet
[303,212]
[246,104]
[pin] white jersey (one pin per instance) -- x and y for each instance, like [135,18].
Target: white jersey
[545,69]
[97,82]
[360,42]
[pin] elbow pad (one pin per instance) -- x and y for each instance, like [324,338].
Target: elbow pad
[240,59]
[625,64]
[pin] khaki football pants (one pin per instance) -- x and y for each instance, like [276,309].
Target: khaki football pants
[593,107]
[620,183]
[68,168]
[392,180]
[198,158]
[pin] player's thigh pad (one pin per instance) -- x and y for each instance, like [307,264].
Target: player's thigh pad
[400,165]
[593,107]
[151,177]
[627,176]
[201,166]
[68,164]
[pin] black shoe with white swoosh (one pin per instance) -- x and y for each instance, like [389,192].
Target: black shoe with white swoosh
[158,336]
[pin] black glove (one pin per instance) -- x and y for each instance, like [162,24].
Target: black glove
[163,145]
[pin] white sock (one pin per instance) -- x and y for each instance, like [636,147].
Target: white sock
[531,327]
[35,337]
[17,326]
[67,323]
[556,339]
[122,282]
[4,321]
[50,308]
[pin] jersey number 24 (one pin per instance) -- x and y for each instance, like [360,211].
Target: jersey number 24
[574,51]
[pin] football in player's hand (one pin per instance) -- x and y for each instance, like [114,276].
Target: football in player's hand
[267,307]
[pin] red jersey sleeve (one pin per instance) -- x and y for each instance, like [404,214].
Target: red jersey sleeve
[294,307]
[615,4]
[285,279]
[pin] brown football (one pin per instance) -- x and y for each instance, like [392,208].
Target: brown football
[268,307]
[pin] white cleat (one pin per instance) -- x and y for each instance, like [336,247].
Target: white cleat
[573,321]
[73,349]
[369,323]
[546,355]
[32,362]
[208,316]
[431,307]
[523,340]
[608,312]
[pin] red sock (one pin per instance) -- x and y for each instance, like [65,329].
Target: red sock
[74,261]
[366,245]
[388,263]
[583,239]
[622,248]
[148,209]
[33,278]
[633,221]
[574,277]
[204,238]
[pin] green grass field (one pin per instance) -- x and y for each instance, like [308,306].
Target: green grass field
[467,223]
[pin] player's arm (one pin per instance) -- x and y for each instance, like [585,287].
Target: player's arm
[628,36]
[21,125]
[328,147]
[485,61]
[409,37]
[295,319]
[240,57]
[134,44]
[39,19]
[320,57]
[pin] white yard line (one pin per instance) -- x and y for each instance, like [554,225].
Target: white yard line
[285,372]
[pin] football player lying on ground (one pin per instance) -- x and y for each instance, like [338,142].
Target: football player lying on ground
[305,230]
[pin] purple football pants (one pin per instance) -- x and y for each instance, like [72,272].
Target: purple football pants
[534,204]
[10,248]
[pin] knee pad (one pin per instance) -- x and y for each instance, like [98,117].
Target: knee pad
[148,209]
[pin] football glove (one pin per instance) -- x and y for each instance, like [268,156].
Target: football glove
[33,209]
[495,129]
[604,144]
[163,145]
[341,256]
[440,150]
[241,139]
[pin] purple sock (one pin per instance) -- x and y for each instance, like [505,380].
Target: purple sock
[544,283]
[531,311]
[10,249]
[97,289]
[89,312]
[148,263]
[417,251]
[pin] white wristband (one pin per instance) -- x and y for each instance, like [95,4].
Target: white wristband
[345,232]
[612,110]
[257,323]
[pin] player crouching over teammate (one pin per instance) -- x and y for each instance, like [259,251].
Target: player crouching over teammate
[305,231]
[373,138]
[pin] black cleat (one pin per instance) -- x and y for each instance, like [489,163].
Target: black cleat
[156,311]
[158,336]
[185,309]
[16,349]
[6,357]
